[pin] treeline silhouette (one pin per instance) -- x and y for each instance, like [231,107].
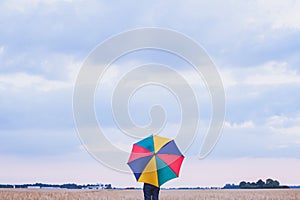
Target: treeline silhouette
[63,186]
[260,184]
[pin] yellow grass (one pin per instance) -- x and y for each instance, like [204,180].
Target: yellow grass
[46,194]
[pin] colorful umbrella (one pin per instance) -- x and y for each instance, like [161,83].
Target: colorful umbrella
[155,160]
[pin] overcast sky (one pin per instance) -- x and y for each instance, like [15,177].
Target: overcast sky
[255,46]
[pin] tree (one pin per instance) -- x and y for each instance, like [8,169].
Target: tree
[276,183]
[269,181]
[108,186]
[242,184]
[272,183]
[260,183]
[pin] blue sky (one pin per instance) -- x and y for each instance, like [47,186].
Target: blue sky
[255,46]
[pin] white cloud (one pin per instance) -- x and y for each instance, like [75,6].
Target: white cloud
[23,6]
[280,14]
[1,50]
[293,130]
[111,76]
[20,81]
[266,75]
[53,72]
[284,125]
[116,72]
[228,78]
[277,120]
[275,14]
[272,73]
[245,124]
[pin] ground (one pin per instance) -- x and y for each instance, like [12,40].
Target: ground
[46,194]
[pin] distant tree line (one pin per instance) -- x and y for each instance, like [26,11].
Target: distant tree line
[63,186]
[6,186]
[260,184]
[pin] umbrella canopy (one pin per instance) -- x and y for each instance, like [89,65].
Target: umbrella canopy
[155,160]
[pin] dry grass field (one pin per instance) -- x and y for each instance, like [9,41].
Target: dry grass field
[46,194]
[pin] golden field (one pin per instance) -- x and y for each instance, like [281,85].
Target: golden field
[46,194]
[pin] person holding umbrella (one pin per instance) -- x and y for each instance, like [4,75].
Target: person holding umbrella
[154,161]
[151,192]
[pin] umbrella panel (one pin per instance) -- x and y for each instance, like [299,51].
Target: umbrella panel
[164,172]
[173,161]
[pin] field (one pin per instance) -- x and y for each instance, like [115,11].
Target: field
[45,194]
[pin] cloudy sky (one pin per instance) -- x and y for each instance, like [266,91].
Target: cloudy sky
[255,46]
